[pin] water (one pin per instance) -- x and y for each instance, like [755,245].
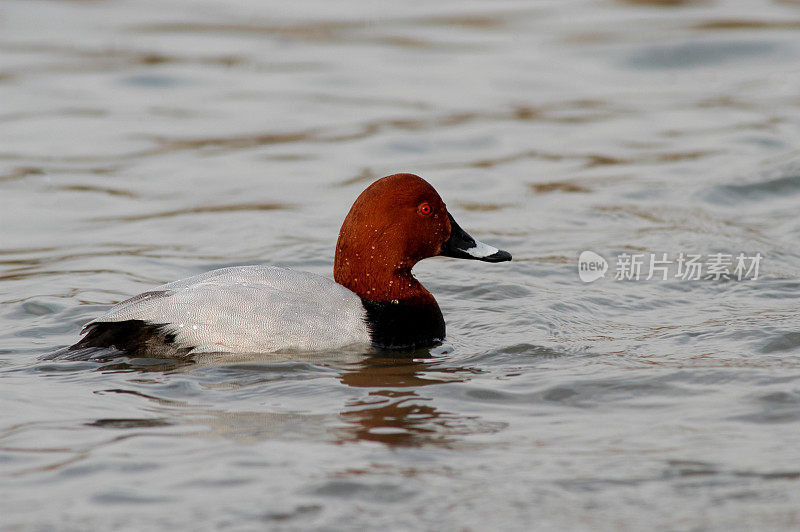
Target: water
[142,142]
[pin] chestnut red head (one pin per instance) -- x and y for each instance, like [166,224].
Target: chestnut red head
[396,222]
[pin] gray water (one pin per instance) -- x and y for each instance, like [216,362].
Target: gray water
[145,141]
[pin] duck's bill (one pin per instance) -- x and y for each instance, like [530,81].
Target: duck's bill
[462,246]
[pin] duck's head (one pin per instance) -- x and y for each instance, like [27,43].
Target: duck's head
[396,222]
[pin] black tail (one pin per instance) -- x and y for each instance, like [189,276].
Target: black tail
[131,338]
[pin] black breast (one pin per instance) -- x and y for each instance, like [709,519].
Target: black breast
[403,326]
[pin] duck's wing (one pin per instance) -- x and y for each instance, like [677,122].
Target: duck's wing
[247,309]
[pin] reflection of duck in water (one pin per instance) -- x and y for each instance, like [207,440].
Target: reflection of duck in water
[394,413]
[392,409]
[375,300]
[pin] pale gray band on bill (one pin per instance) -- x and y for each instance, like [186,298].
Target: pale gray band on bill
[481,250]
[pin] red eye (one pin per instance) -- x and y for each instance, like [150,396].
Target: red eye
[425,209]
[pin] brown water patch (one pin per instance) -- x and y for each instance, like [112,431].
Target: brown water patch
[358,131]
[199,210]
[334,134]
[290,157]
[49,255]
[492,21]
[594,160]
[631,210]
[496,161]
[366,174]
[126,57]
[527,113]
[25,171]
[24,273]
[725,101]
[554,259]
[747,24]
[21,173]
[322,32]
[483,207]
[26,250]
[98,60]
[694,221]
[663,3]
[234,142]
[343,30]
[590,160]
[316,31]
[66,112]
[102,190]
[558,186]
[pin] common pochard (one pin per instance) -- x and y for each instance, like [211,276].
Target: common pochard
[374,300]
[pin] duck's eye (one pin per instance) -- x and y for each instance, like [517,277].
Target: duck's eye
[425,209]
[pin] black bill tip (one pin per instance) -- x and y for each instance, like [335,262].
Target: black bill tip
[500,256]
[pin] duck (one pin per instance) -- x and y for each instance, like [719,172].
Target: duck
[373,300]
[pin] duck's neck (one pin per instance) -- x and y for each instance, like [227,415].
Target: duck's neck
[401,313]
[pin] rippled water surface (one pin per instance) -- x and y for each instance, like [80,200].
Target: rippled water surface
[144,141]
